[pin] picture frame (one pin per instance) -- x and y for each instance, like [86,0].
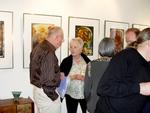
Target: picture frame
[116,30]
[6,45]
[88,30]
[35,28]
[140,26]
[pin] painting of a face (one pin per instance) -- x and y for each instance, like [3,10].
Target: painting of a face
[118,35]
[39,33]
[1,39]
[86,34]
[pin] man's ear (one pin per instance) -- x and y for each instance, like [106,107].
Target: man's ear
[148,43]
[56,37]
[81,49]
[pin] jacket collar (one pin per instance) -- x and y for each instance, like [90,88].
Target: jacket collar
[50,45]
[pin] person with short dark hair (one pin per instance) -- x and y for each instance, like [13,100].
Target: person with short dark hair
[125,84]
[95,70]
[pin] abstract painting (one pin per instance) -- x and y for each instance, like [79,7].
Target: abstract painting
[88,30]
[86,34]
[118,36]
[6,34]
[39,33]
[35,30]
[1,39]
[116,30]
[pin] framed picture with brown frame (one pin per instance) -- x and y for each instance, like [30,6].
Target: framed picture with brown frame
[88,30]
[116,30]
[35,30]
[6,34]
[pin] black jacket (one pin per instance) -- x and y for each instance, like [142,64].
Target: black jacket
[118,89]
[66,64]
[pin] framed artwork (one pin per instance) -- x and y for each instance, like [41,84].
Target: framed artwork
[116,30]
[6,33]
[140,26]
[88,30]
[35,30]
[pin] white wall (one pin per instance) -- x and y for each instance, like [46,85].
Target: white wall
[132,11]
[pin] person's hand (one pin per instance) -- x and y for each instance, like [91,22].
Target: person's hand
[80,77]
[62,75]
[77,77]
[73,77]
[145,88]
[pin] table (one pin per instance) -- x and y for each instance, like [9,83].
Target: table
[24,105]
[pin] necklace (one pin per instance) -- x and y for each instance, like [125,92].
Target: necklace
[104,59]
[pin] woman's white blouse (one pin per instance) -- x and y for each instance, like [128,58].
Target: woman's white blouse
[75,88]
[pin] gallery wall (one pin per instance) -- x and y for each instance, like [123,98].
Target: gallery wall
[131,11]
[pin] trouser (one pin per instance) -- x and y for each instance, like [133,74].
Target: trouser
[147,107]
[72,104]
[44,103]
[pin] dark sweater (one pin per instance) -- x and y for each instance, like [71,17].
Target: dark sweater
[66,64]
[119,87]
[94,71]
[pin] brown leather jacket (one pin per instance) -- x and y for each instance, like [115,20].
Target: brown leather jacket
[44,69]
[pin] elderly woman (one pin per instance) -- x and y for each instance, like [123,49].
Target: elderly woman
[95,70]
[74,67]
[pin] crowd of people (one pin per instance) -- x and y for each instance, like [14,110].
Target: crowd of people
[116,82]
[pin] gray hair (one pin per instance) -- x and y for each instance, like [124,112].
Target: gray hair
[107,47]
[54,29]
[79,41]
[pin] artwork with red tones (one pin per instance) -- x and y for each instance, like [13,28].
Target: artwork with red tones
[118,35]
